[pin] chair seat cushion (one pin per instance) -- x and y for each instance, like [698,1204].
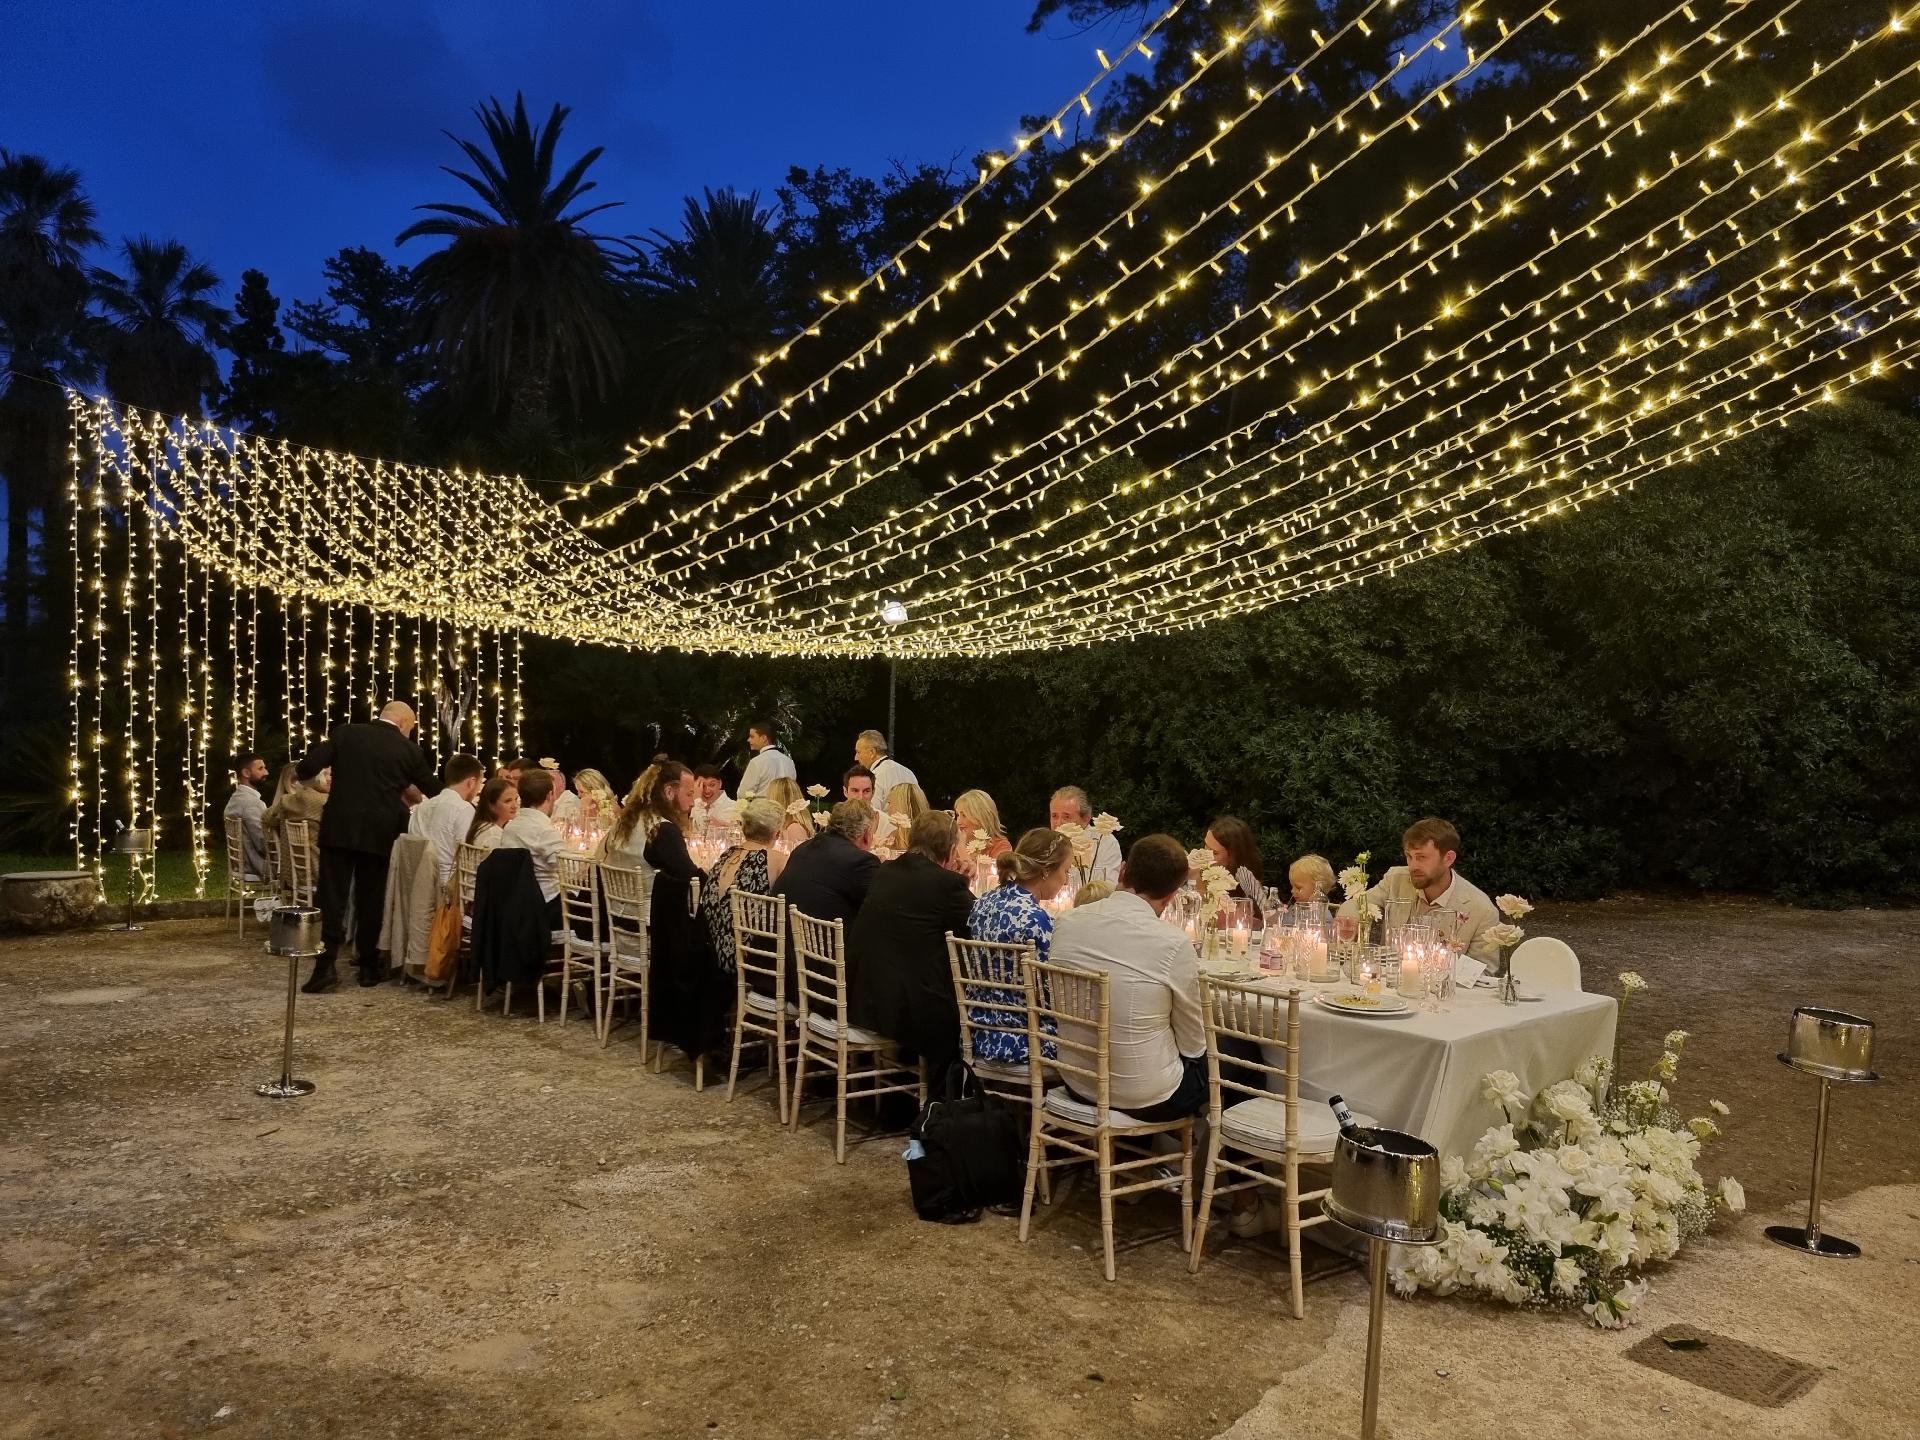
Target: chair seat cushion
[1000,1070]
[1068,1106]
[861,1039]
[765,1004]
[1263,1125]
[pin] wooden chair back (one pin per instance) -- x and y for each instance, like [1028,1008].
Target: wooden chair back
[579,881]
[820,967]
[236,855]
[298,858]
[1076,1001]
[990,984]
[760,942]
[629,893]
[1262,1016]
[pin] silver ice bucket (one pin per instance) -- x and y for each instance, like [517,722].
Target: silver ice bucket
[133,842]
[294,930]
[1830,1043]
[1386,1185]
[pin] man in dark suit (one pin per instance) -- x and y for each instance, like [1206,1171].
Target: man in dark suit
[378,774]
[827,877]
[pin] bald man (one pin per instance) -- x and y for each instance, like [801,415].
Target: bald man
[379,774]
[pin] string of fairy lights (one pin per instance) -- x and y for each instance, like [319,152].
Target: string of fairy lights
[1570,300]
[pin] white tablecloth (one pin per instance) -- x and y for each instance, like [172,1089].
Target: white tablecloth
[1422,1073]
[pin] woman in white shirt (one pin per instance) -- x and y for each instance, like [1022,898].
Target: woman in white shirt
[498,804]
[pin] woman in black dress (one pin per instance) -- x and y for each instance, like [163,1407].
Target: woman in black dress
[659,809]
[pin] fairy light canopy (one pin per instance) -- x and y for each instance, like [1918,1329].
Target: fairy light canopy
[1281,312]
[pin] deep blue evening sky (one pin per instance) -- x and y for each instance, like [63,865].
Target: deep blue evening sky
[271,134]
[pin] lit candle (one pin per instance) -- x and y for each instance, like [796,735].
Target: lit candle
[1239,940]
[1412,983]
[1369,980]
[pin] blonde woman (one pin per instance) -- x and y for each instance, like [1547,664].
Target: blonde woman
[796,825]
[597,801]
[979,816]
[1310,878]
[1032,871]
[906,803]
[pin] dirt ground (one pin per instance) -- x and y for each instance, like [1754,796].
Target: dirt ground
[483,1226]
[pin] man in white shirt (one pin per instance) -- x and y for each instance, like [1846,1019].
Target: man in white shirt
[1096,857]
[1157,1044]
[566,804]
[1428,889]
[445,818]
[858,784]
[250,806]
[769,762]
[719,807]
[871,751]
[532,828]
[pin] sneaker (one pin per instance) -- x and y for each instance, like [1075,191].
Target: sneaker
[1167,1176]
[1261,1219]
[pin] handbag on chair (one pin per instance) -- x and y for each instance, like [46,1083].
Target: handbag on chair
[443,941]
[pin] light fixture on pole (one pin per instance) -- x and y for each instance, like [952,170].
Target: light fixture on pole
[894,612]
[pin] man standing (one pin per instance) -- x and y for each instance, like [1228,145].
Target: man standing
[1095,857]
[1459,909]
[378,773]
[870,750]
[446,818]
[769,762]
[249,806]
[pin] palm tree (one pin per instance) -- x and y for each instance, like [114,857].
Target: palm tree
[522,295]
[160,325]
[46,230]
[713,293]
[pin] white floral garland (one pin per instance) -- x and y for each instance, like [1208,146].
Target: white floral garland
[1565,1203]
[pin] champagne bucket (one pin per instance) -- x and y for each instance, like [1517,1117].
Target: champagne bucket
[294,931]
[133,842]
[1387,1187]
[1830,1044]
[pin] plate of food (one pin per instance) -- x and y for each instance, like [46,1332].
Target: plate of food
[1382,1005]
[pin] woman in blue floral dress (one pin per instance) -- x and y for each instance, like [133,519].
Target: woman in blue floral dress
[1012,914]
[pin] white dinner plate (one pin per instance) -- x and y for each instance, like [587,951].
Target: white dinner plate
[1389,1006]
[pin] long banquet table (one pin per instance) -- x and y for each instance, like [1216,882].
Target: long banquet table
[1421,1073]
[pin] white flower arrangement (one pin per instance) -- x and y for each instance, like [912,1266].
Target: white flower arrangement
[1516,908]
[1215,883]
[1504,935]
[1105,824]
[1354,888]
[797,808]
[977,846]
[1083,841]
[818,792]
[1199,859]
[1565,1203]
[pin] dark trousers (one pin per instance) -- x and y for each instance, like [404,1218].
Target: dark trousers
[365,876]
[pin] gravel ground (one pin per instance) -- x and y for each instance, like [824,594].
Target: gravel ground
[480,1225]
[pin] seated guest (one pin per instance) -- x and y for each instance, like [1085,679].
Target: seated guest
[1096,857]
[905,804]
[499,802]
[870,750]
[597,802]
[1231,841]
[1034,869]
[445,819]
[979,817]
[769,762]
[250,806]
[711,787]
[532,829]
[299,796]
[1158,1047]
[828,877]
[566,804]
[625,843]
[514,768]
[1459,909]
[1093,890]
[899,981]
[752,865]
[1310,878]
[796,823]
[857,784]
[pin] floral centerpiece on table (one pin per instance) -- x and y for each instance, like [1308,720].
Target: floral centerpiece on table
[1507,934]
[816,805]
[1566,1203]
[1083,843]
[1354,887]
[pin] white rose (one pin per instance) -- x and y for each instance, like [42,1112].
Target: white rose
[1105,824]
[1732,1194]
[1199,859]
[1513,907]
[1504,935]
[1502,1087]
[1453,1173]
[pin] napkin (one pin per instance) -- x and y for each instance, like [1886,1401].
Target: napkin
[1467,971]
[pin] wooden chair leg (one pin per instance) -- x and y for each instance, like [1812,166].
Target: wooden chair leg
[799,1084]
[733,1069]
[778,1049]
[1105,1163]
[1186,1187]
[699,1073]
[1036,1165]
[840,1110]
[1293,1241]
[1206,1201]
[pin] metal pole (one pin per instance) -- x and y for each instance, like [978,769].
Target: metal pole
[1376,1308]
[893,737]
[1819,1165]
[287,1088]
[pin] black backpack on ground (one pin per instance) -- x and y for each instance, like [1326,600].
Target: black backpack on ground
[970,1152]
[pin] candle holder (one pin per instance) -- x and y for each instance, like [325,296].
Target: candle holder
[1834,1047]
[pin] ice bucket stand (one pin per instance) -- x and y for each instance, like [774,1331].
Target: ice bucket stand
[294,931]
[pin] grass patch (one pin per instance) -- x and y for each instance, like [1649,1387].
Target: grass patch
[173,872]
